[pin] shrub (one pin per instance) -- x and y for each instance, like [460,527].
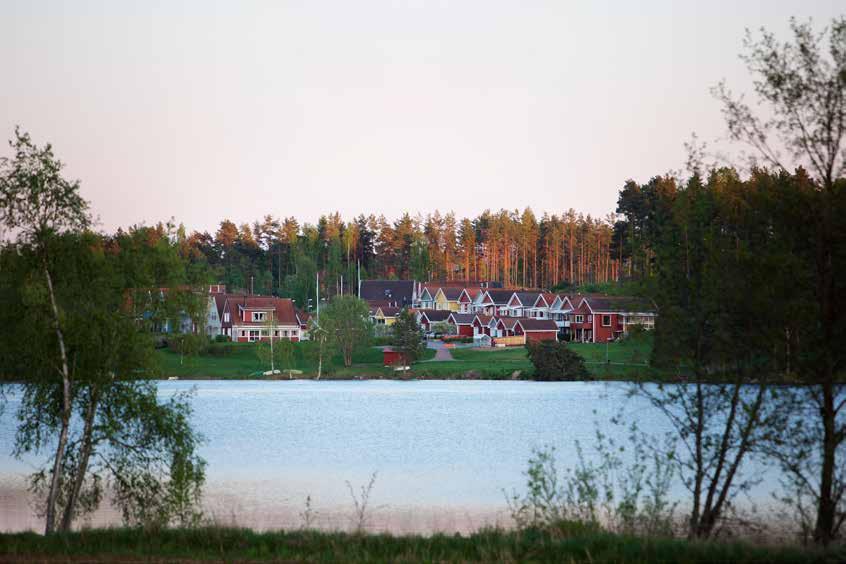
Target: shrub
[222,339]
[555,361]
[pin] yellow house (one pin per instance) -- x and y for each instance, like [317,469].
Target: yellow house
[447,298]
[386,315]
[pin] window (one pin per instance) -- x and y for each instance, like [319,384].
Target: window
[606,321]
[259,316]
[284,332]
[254,335]
[276,332]
[590,319]
[580,319]
[226,317]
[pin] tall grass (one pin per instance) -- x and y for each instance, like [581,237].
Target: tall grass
[565,543]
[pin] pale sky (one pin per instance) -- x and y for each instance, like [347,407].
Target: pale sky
[205,110]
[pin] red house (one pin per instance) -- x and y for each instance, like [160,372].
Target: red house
[482,324]
[463,323]
[260,318]
[599,319]
[539,329]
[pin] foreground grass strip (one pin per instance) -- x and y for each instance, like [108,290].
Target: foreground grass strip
[231,544]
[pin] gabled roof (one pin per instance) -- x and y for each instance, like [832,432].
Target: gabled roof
[528,299]
[283,309]
[399,292]
[510,322]
[470,293]
[451,293]
[390,311]
[483,319]
[546,298]
[462,318]
[529,324]
[434,315]
[619,304]
[499,296]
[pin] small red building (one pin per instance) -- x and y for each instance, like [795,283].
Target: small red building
[463,323]
[539,329]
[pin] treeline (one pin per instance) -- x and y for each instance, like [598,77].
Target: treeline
[283,256]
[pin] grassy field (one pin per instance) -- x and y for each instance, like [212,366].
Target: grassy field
[243,362]
[626,360]
[570,544]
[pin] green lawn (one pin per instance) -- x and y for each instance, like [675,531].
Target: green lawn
[627,360]
[570,544]
[244,362]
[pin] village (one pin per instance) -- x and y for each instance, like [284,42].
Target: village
[478,312]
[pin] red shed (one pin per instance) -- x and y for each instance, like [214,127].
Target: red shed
[392,357]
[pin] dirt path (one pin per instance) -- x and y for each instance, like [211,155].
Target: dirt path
[441,352]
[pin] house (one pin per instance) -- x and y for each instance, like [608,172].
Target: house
[520,302]
[540,309]
[385,315]
[426,296]
[482,325]
[599,319]
[427,317]
[538,329]
[396,293]
[447,298]
[495,302]
[258,318]
[467,299]
[463,323]
[303,318]
[508,327]
[560,311]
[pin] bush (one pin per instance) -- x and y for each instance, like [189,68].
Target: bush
[222,339]
[555,361]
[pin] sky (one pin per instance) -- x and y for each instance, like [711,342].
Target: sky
[204,111]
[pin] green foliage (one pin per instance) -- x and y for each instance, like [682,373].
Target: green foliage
[568,542]
[408,338]
[187,345]
[555,361]
[123,444]
[346,322]
[619,495]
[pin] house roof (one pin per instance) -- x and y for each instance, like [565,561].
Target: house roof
[435,315]
[399,292]
[500,296]
[528,299]
[390,311]
[282,308]
[472,293]
[462,318]
[620,304]
[452,293]
[530,324]
[483,319]
[510,322]
[547,297]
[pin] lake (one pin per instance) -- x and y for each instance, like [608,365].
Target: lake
[444,451]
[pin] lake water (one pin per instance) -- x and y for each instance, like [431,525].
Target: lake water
[444,451]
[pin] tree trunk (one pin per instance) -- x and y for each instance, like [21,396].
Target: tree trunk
[82,469]
[824,530]
[55,481]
